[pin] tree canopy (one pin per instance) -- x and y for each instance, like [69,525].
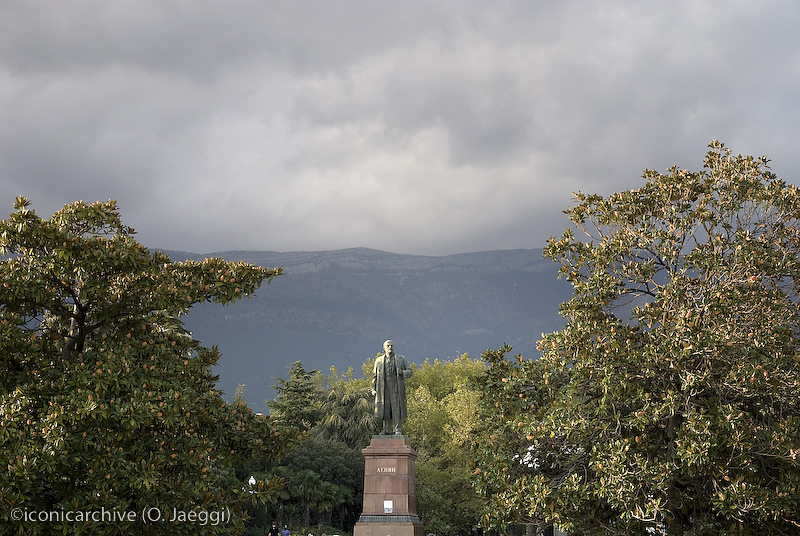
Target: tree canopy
[442,416]
[668,403]
[297,403]
[347,410]
[106,402]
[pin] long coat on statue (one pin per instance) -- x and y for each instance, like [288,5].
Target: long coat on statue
[382,399]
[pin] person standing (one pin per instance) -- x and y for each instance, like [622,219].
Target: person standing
[389,388]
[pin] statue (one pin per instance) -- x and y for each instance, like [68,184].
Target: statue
[389,388]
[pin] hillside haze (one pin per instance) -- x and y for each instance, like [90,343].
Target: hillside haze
[335,308]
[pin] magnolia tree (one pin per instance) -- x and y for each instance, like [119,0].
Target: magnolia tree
[110,422]
[669,402]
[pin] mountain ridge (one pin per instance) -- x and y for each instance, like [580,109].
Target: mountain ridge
[303,261]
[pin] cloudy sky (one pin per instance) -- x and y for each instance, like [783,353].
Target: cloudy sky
[427,127]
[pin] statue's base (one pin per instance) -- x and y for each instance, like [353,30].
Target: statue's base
[390,502]
[388,525]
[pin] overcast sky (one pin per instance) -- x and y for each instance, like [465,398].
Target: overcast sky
[426,127]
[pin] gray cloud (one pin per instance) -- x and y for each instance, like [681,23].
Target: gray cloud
[415,127]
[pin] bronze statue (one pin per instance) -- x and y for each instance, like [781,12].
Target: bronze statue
[389,388]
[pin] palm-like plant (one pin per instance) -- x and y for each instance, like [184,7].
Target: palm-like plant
[332,496]
[307,488]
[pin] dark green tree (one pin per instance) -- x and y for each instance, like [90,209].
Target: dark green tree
[298,401]
[347,410]
[307,487]
[332,496]
[668,404]
[105,400]
[332,460]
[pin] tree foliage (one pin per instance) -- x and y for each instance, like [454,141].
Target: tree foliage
[442,416]
[330,412]
[297,403]
[340,473]
[347,409]
[668,403]
[106,402]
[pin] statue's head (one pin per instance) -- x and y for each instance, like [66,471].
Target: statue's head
[388,346]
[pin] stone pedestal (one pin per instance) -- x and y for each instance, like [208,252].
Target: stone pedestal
[390,496]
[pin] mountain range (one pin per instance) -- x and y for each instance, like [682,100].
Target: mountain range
[335,308]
